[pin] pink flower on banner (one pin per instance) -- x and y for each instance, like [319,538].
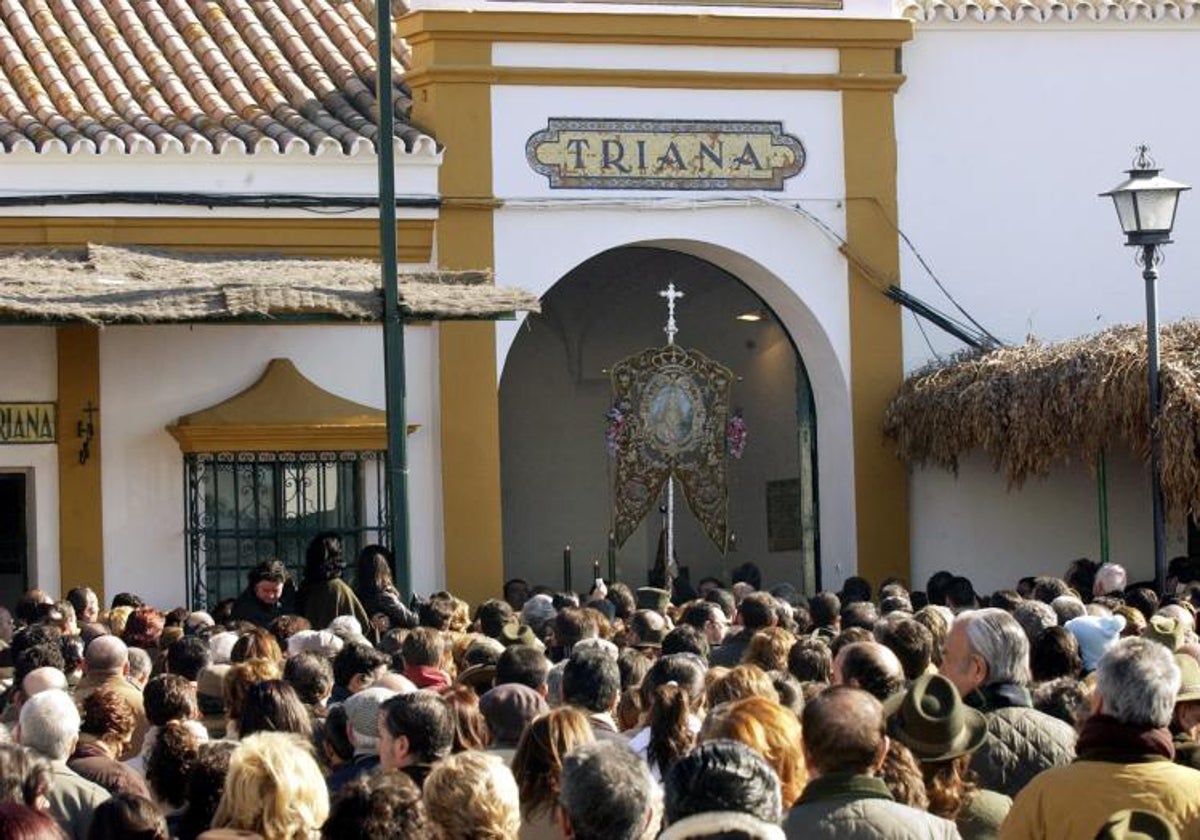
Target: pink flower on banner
[735,435]
[616,423]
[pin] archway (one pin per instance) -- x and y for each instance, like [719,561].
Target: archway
[555,390]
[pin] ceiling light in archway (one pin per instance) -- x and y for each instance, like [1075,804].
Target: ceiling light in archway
[753,316]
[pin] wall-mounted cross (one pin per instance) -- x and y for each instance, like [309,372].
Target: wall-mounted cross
[671,295]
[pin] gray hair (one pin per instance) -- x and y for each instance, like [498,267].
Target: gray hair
[140,663]
[606,792]
[1067,607]
[50,724]
[1034,617]
[1137,681]
[106,653]
[997,637]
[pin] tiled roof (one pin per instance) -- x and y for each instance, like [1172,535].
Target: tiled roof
[208,76]
[1048,11]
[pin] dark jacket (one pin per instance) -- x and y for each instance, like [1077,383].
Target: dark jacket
[323,601]
[847,806]
[388,603]
[729,653]
[96,765]
[360,765]
[1022,741]
[247,607]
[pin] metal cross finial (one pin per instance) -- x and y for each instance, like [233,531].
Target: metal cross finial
[671,295]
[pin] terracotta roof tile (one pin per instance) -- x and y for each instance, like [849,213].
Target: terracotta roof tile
[207,76]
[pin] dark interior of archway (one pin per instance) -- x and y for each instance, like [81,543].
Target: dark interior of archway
[555,391]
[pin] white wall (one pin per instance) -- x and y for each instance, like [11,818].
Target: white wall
[1007,132]
[152,375]
[973,525]
[29,373]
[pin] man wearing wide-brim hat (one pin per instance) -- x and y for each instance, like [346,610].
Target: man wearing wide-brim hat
[942,732]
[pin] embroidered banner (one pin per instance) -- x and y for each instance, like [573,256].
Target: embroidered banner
[617,154]
[674,405]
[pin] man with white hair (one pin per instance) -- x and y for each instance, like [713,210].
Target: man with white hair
[1125,754]
[987,658]
[106,665]
[49,725]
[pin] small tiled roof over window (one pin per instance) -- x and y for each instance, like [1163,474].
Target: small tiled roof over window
[198,76]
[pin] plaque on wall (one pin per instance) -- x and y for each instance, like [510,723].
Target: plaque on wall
[621,154]
[27,423]
[784,528]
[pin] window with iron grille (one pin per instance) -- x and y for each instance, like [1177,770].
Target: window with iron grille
[245,507]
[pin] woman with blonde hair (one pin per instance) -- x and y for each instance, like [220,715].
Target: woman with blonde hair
[769,649]
[274,789]
[473,796]
[738,684]
[537,766]
[770,730]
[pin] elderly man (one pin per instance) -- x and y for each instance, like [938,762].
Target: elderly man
[606,794]
[987,658]
[1124,756]
[106,665]
[844,748]
[49,725]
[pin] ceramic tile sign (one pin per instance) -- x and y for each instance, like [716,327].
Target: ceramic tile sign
[621,154]
[27,423]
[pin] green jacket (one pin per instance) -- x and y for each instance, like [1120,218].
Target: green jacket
[322,602]
[847,806]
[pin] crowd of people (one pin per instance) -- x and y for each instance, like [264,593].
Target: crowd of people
[1064,708]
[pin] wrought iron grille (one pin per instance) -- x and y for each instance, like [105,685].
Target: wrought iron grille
[245,507]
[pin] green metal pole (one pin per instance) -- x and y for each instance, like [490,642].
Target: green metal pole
[393,319]
[1102,486]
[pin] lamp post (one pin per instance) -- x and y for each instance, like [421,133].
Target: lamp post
[1146,204]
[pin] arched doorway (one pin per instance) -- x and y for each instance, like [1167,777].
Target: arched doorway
[555,391]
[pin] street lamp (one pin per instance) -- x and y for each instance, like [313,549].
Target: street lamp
[1146,204]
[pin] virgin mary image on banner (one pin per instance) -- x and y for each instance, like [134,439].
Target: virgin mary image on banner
[674,406]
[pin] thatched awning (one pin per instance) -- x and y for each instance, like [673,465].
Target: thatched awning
[1032,407]
[112,285]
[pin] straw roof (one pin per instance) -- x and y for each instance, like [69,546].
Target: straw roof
[1032,407]
[121,285]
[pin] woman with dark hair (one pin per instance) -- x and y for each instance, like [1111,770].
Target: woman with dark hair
[143,629]
[273,706]
[169,764]
[323,595]
[470,727]
[128,817]
[1053,654]
[377,591]
[537,766]
[672,695]
[204,787]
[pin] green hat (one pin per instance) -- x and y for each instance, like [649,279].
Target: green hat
[932,721]
[1189,684]
[1137,825]
[1166,631]
[649,598]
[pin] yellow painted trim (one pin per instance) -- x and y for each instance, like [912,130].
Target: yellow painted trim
[80,492]
[428,26]
[459,115]
[283,438]
[686,79]
[876,352]
[300,237]
[283,411]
